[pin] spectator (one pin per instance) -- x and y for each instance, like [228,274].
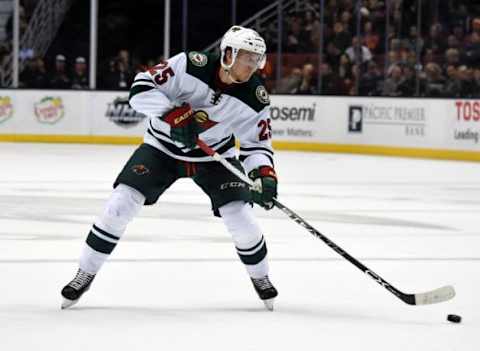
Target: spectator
[472,50]
[315,35]
[393,58]
[408,84]
[429,57]
[307,85]
[28,73]
[371,38]
[393,82]
[290,82]
[308,26]
[414,40]
[396,45]
[459,32]
[358,51]
[346,76]
[346,20]
[370,80]
[475,29]
[434,83]
[79,77]
[458,14]
[59,78]
[345,68]
[453,85]
[476,76]
[333,56]
[377,12]
[412,59]
[452,58]
[118,78]
[468,86]
[453,42]
[342,38]
[124,58]
[296,37]
[40,79]
[34,76]
[331,84]
[436,41]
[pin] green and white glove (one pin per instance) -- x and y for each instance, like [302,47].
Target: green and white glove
[264,186]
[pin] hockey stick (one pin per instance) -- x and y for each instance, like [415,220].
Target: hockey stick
[430,297]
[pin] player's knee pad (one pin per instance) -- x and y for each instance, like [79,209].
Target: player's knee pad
[240,222]
[122,206]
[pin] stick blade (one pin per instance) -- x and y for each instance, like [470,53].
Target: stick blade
[442,294]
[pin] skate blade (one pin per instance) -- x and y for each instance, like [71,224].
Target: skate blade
[66,303]
[268,304]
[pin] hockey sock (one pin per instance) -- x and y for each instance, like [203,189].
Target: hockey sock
[249,242]
[124,204]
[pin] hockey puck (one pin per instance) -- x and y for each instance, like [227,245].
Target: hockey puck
[454,318]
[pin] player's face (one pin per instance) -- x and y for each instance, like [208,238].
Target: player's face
[246,63]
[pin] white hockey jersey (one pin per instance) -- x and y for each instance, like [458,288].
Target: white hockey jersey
[240,111]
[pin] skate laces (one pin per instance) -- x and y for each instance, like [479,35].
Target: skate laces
[81,279]
[262,283]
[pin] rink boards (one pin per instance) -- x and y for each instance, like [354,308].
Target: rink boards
[432,128]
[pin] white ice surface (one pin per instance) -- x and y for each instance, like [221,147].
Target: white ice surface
[175,282]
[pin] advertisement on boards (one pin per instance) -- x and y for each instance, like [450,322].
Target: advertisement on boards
[464,124]
[294,118]
[6,108]
[52,112]
[113,115]
[49,109]
[389,121]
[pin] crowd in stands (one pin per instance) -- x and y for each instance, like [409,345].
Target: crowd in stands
[116,74]
[372,51]
[396,61]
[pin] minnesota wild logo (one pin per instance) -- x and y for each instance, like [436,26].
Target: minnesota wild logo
[262,94]
[198,59]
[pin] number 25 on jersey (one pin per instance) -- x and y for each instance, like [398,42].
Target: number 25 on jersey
[161,72]
[265,129]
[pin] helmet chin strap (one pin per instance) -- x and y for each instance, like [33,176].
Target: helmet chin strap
[229,73]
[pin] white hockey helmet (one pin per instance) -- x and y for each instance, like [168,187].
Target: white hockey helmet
[247,39]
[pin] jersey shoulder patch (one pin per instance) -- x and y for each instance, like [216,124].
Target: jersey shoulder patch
[262,94]
[201,65]
[198,59]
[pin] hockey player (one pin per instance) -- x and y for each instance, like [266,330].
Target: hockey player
[217,99]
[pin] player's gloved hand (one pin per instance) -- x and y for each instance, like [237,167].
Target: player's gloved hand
[184,127]
[265,186]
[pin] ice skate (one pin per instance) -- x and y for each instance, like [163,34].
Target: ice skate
[74,290]
[265,290]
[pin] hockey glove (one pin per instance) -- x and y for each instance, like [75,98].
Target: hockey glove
[184,127]
[265,186]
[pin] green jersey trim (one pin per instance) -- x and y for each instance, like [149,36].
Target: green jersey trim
[139,89]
